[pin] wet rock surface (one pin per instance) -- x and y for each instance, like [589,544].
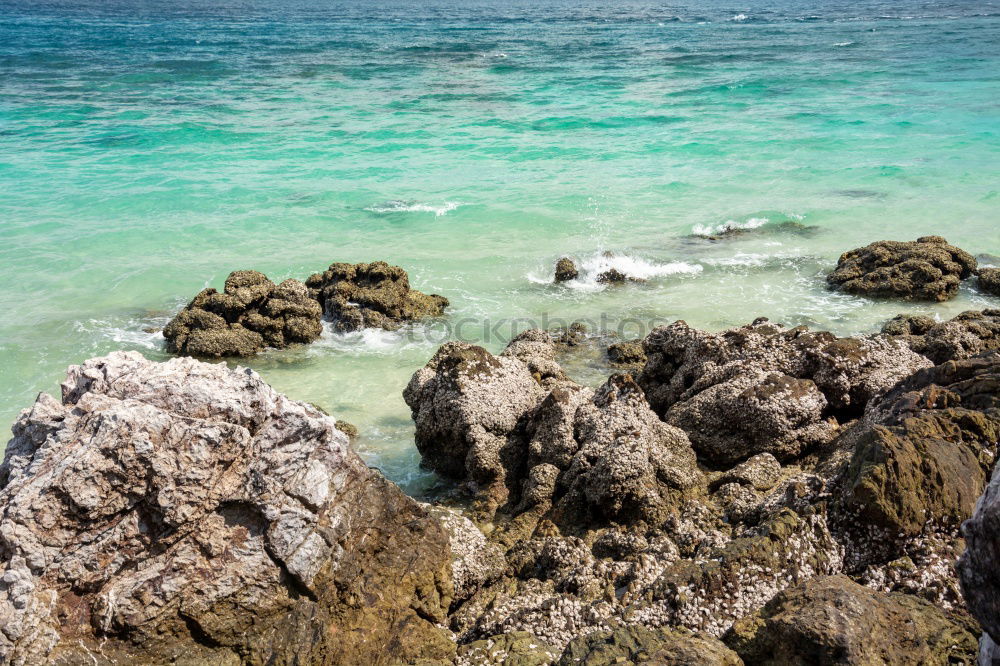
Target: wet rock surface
[251,313]
[566,270]
[928,269]
[372,295]
[629,355]
[187,511]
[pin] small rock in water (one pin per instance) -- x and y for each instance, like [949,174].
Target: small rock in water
[566,270]
[629,353]
[989,280]
[615,276]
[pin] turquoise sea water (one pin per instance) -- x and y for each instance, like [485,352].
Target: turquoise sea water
[149,148]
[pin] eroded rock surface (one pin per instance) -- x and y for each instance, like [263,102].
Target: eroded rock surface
[765,388]
[989,280]
[616,531]
[251,313]
[833,620]
[373,295]
[921,458]
[968,334]
[522,433]
[187,511]
[928,269]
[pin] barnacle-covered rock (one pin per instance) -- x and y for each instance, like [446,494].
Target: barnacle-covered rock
[969,333]
[763,388]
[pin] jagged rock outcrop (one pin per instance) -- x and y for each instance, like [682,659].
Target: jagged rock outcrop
[517,429]
[921,457]
[566,270]
[989,280]
[606,521]
[978,568]
[764,388]
[187,511]
[833,620]
[968,334]
[928,269]
[374,295]
[250,314]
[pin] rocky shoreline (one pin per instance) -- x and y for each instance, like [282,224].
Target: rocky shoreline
[759,495]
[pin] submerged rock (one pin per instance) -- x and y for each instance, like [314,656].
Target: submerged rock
[833,620]
[989,280]
[763,388]
[566,270]
[928,269]
[250,314]
[969,333]
[615,276]
[184,510]
[374,295]
[628,354]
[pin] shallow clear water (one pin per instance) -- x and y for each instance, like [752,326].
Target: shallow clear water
[149,148]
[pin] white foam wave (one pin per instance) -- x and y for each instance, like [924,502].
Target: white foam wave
[845,43]
[728,225]
[634,267]
[402,206]
[739,18]
[132,335]
[371,341]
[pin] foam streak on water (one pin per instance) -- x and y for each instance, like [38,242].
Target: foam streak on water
[147,149]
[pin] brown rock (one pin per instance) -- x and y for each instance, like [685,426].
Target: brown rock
[566,270]
[967,334]
[374,295]
[928,269]
[833,620]
[989,280]
[252,313]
